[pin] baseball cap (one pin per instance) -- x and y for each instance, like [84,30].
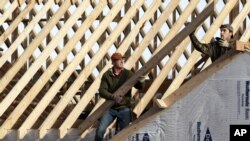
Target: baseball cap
[117,56]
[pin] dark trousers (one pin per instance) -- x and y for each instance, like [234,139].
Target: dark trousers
[123,119]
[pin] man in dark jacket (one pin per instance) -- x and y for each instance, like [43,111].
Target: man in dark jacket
[110,82]
[217,47]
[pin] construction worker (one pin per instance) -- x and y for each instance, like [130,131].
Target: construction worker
[218,47]
[110,82]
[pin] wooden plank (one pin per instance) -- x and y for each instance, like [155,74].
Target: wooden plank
[242,46]
[149,65]
[171,62]
[195,55]
[90,92]
[17,20]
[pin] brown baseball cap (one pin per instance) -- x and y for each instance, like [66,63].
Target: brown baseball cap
[227,26]
[117,56]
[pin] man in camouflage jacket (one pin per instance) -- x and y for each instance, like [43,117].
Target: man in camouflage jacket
[218,47]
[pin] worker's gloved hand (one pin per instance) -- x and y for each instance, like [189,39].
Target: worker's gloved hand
[222,43]
[117,98]
[142,79]
[187,23]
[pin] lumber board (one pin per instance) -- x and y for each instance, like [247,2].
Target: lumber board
[242,46]
[149,65]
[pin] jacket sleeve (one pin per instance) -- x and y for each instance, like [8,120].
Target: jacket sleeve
[204,48]
[139,85]
[103,90]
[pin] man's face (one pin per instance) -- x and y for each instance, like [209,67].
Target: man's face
[225,34]
[118,63]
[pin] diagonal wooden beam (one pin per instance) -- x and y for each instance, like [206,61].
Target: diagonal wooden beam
[149,65]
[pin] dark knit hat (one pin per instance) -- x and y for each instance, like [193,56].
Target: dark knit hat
[227,26]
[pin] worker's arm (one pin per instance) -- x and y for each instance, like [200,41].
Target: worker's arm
[201,47]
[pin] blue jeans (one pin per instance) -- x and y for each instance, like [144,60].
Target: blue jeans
[123,119]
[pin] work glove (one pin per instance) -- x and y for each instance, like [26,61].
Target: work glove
[223,43]
[142,79]
[117,98]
